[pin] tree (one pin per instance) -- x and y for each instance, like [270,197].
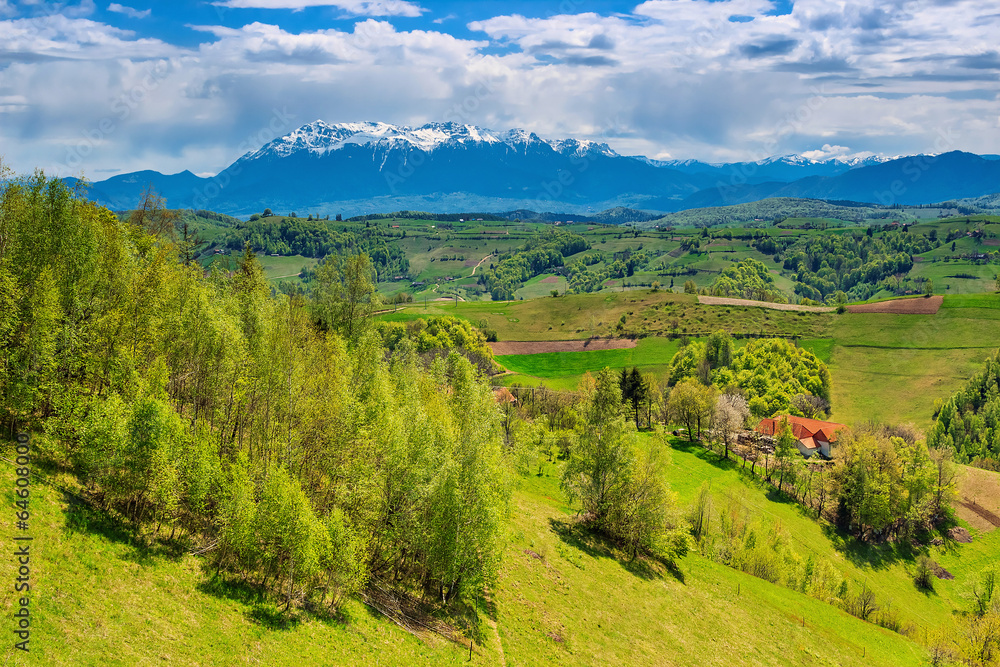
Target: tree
[719,350]
[928,287]
[635,390]
[623,490]
[785,454]
[190,243]
[344,295]
[267,213]
[152,215]
[690,287]
[601,458]
[701,511]
[692,404]
[729,419]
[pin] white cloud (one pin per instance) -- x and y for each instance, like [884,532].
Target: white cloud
[352,7]
[129,11]
[59,37]
[677,78]
[826,152]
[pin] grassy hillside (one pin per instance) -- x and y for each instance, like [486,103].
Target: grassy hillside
[563,598]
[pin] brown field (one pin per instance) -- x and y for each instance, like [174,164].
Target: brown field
[915,306]
[538,347]
[979,498]
[549,280]
[725,301]
[991,242]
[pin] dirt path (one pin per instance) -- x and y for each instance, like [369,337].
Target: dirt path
[480,264]
[541,346]
[983,513]
[294,275]
[914,306]
[725,301]
[496,633]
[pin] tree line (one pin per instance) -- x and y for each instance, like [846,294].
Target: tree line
[276,433]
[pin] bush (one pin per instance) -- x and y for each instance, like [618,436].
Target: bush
[923,577]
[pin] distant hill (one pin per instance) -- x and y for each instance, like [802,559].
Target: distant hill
[917,179]
[769,210]
[449,168]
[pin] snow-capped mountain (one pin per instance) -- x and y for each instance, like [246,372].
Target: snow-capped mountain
[369,167]
[320,138]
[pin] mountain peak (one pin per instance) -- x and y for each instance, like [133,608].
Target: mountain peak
[320,137]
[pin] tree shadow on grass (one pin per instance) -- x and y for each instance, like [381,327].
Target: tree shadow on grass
[699,450]
[575,534]
[83,517]
[264,610]
[876,556]
[271,617]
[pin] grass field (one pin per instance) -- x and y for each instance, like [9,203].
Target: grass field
[283,267]
[536,287]
[650,355]
[944,276]
[564,598]
[99,598]
[579,316]
[893,367]
[579,605]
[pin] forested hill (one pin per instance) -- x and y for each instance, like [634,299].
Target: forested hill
[774,210]
[281,434]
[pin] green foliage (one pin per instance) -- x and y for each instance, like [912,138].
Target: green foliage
[748,279]
[772,210]
[969,421]
[344,295]
[622,490]
[316,239]
[885,485]
[211,407]
[857,264]
[770,372]
[541,253]
[692,403]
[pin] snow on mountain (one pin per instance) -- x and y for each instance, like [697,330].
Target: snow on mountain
[320,138]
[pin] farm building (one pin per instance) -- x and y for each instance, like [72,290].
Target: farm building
[812,435]
[503,395]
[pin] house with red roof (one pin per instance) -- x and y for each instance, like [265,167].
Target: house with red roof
[812,435]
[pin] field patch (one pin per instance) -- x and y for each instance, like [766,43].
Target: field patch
[650,355]
[979,498]
[541,347]
[896,385]
[726,301]
[915,306]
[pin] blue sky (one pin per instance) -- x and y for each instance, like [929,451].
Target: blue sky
[98,88]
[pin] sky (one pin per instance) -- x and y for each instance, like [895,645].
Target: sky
[96,89]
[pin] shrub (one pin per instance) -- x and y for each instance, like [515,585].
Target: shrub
[923,577]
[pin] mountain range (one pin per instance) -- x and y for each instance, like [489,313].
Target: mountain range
[372,167]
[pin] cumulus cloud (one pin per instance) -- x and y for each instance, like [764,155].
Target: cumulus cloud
[724,80]
[352,7]
[129,11]
[826,152]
